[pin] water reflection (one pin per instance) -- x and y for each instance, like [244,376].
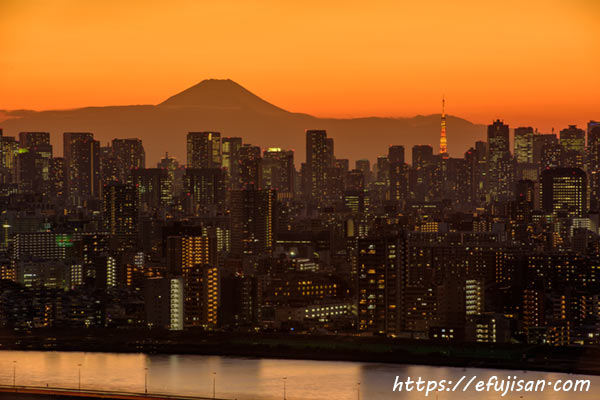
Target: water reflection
[246,379]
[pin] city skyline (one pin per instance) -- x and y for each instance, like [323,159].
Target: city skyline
[497,247]
[235,192]
[232,110]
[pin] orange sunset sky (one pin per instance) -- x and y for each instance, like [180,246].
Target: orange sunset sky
[529,62]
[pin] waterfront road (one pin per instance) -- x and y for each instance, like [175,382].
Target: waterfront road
[43,393]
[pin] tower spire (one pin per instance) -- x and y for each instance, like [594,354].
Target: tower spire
[443,140]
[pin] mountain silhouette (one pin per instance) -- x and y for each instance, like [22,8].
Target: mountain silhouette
[222,94]
[227,107]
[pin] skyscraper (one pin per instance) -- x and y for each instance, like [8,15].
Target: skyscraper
[120,210]
[129,154]
[539,142]
[550,151]
[231,159]
[572,141]
[380,268]
[319,159]
[9,149]
[250,166]
[82,166]
[205,190]
[563,192]
[523,145]
[33,162]
[398,174]
[383,170]
[422,155]
[173,169]
[204,150]
[109,169]
[593,163]
[201,288]
[278,171]
[364,165]
[153,187]
[253,225]
[57,172]
[192,257]
[500,174]
[187,249]
[28,140]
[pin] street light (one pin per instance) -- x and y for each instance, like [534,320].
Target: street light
[284,382]
[145,381]
[214,385]
[79,378]
[14,374]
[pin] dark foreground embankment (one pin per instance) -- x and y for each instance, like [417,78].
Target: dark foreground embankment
[584,360]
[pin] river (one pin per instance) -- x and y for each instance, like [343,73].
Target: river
[248,378]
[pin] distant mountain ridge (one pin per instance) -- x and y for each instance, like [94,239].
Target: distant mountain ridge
[227,107]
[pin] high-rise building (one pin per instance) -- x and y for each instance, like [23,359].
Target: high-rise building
[551,152]
[9,149]
[129,155]
[253,221]
[41,245]
[593,163]
[164,301]
[563,192]
[29,140]
[523,145]
[593,133]
[539,142]
[204,150]
[381,263]
[500,175]
[336,178]
[120,209]
[278,171]
[81,166]
[480,181]
[357,201]
[202,292]
[356,180]
[364,165]
[421,175]
[193,258]
[205,190]
[231,160]
[422,155]
[109,167]
[383,170]
[33,162]
[398,174]
[187,249]
[57,172]
[572,141]
[319,160]
[525,200]
[474,297]
[171,165]
[250,166]
[153,188]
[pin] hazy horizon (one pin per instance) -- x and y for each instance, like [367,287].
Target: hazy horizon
[581,122]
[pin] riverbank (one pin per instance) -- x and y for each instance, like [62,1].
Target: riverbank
[582,360]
